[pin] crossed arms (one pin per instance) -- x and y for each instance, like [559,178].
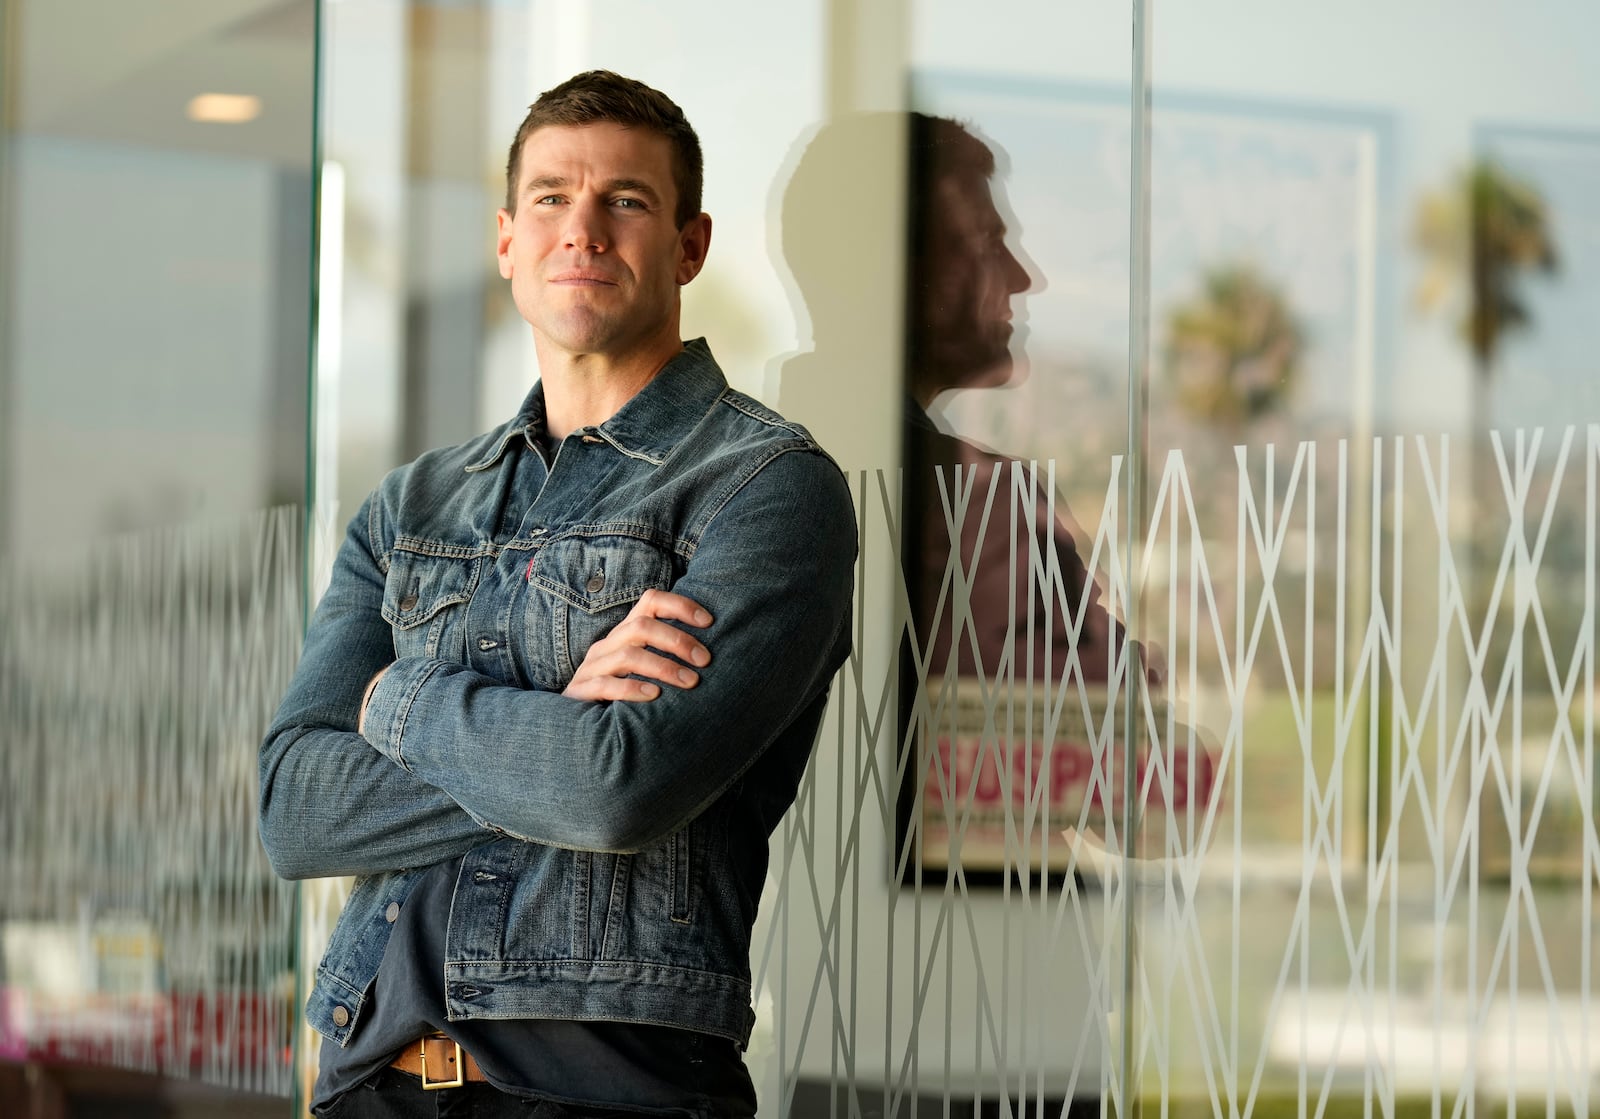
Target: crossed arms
[446,758]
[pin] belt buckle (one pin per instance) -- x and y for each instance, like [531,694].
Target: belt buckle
[461,1065]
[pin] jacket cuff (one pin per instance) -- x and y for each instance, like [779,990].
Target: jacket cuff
[390,704]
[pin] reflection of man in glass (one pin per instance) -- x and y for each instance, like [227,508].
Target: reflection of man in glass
[1004,609]
[1000,591]
[963,273]
[962,278]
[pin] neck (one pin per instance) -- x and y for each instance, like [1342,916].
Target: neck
[586,390]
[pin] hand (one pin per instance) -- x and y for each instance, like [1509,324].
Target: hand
[366,696]
[634,648]
[1155,665]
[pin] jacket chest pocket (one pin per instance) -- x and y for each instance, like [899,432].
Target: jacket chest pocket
[587,585]
[422,597]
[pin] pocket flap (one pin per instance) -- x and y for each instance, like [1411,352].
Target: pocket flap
[595,573]
[418,587]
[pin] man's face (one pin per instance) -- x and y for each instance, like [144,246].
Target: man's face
[965,285]
[593,253]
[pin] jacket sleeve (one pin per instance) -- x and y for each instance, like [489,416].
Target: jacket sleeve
[774,567]
[330,804]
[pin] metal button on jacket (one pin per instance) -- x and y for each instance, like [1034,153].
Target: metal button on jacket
[392,912]
[341,1016]
[409,602]
[596,582]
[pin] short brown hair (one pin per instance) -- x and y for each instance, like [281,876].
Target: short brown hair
[938,148]
[600,96]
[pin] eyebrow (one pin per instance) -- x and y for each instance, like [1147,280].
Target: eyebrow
[557,182]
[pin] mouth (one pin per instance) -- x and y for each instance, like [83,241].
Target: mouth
[582,277]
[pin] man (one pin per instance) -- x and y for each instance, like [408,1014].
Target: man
[566,678]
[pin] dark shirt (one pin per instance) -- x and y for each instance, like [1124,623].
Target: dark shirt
[1017,553]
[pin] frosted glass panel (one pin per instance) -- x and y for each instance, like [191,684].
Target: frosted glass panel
[156,240]
[1378,888]
[143,928]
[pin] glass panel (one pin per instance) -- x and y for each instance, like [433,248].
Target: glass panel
[1371,556]
[1017,488]
[892,961]
[155,222]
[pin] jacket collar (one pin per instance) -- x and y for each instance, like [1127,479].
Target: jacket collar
[650,425]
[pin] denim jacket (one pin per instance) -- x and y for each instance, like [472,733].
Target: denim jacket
[614,852]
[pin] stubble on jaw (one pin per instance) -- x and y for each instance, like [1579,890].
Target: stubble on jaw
[585,330]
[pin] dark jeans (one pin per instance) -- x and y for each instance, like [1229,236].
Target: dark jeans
[392,1094]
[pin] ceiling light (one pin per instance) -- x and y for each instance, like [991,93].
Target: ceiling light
[225,108]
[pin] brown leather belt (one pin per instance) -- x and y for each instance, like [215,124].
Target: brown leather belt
[441,1063]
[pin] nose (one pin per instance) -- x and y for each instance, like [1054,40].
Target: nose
[585,227]
[1018,278]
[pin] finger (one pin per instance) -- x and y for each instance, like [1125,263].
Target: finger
[650,633]
[1156,665]
[635,661]
[666,604]
[613,688]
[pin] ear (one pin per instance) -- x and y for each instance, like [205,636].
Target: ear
[694,241]
[502,244]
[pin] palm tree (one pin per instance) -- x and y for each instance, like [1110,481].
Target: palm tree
[1492,226]
[1233,351]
